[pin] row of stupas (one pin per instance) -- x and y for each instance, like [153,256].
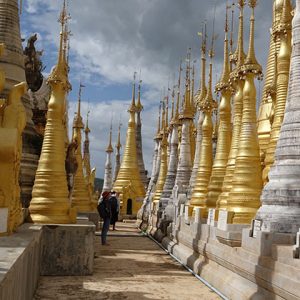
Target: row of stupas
[41,167]
[237,177]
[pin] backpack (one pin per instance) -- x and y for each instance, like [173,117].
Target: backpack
[102,210]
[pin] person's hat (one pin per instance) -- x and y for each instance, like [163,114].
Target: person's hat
[105,194]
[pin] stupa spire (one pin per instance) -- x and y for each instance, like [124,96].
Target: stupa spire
[109,148]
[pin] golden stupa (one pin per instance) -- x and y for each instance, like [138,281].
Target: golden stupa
[129,183]
[237,83]
[223,129]
[267,103]
[244,197]
[50,202]
[80,196]
[199,193]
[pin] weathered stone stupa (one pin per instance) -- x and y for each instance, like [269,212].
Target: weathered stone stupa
[166,196]
[200,98]
[280,210]
[283,32]
[107,184]
[184,168]
[118,155]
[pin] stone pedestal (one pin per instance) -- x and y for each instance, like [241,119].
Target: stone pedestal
[67,250]
[263,243]
[232,236]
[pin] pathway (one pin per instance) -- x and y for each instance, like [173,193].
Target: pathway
[132,267]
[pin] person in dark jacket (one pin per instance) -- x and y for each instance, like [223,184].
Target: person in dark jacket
[106,217]
[114,209]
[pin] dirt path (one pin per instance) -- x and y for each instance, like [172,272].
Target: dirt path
[132,267]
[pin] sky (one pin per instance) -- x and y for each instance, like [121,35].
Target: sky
[112,39]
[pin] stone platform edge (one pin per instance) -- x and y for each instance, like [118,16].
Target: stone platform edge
[236,272]
[36,250]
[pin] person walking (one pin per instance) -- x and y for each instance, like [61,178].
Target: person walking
[114,209]
[104,209]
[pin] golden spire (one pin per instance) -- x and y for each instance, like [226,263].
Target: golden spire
[119,145]
[232,29]
[203,90]
[158,122]
[251,64]
[109,148]
[77,123]
[239,55]
[49,204]
[139,106]
[133,107]
[60,71]
[224,81]
[187,112]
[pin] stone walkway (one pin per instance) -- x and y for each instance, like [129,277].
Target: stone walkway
[132,267]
